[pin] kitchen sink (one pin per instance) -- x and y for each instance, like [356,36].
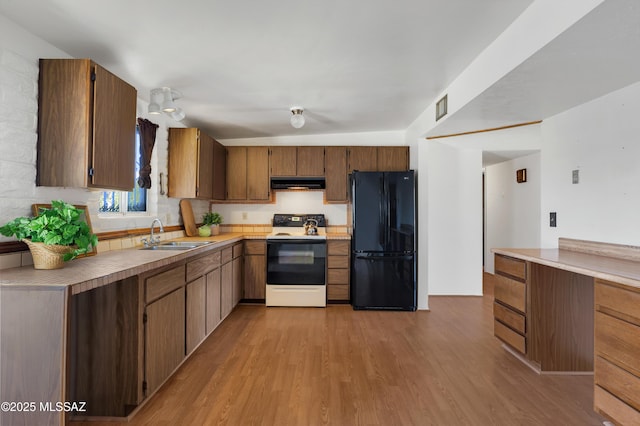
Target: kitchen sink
[177,245]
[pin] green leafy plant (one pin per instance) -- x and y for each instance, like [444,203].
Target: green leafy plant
[212,218]
[61,224]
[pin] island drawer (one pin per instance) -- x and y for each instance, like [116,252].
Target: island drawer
[617,301]
[510,292]
[613,408]
[164,283]
[509,317]
[513,267]
[618,341]
[509,336]
[616,380]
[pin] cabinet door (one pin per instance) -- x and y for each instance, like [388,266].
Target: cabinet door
[283,160]
[204,185]
[183,156]
[213,300]
[219,171]
[164,338]
[226,289]
[363,158]
[237,172]
[237,281]
[255,276]
[310,161]
[196,313]
[393,158]
[257,173]
[336,176]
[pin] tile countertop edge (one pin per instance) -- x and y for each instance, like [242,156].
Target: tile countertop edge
[621,271]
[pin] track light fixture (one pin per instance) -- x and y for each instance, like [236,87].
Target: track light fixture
[163,99]
[297,119]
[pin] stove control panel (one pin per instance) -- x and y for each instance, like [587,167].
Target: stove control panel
[297,220]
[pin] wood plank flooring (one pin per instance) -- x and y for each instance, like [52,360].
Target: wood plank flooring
[336,366]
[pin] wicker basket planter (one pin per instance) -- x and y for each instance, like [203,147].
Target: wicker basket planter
[47,256]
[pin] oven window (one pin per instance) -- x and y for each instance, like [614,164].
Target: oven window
[296,263]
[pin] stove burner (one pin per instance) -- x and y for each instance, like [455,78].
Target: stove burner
[282,233]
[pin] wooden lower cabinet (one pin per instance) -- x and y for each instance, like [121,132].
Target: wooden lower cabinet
[338,267]
[510,306]
[255,269]
[617,345]
[226,289]
[196,313]
[164,338]
[237,290]
[213,315]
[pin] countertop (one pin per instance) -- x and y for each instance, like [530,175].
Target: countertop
[95,271]
[621,271]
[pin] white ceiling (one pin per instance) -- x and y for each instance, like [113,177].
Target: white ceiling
[355,65]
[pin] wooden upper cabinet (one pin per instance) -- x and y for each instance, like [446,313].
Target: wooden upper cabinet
[283,160]
[393,158]
[237,173]
[258,187]
[86,126]
[310,161]
[363,158]
[336,177]
[197,165]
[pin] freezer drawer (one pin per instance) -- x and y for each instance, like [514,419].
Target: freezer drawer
[383,282]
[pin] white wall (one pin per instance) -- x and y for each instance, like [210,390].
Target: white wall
[512,209]
[600,139]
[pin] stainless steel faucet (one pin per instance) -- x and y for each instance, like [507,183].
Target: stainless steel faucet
[153,240]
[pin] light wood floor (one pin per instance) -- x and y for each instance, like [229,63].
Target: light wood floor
[310,366]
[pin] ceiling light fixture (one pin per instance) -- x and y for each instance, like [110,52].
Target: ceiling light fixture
[297,119]
[163,100]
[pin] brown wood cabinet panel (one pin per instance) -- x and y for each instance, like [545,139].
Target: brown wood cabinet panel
[238,250]
[164,338]
[393,158]
[104,347]
[204,184]
[618,341]
[616,301]
[86,129]
[618,382]
[219,188]
[337,262]
[255,276]
[258,173]
[164,282]
[363,158]
[611,407]
[509,317]
[510,337]
[509,266]
[200,266]
[310,161]
[226,289]
[283,160]
[227,255]
[337,276]
[236,173]
[338,292]
[237,292]
[339,248]
[196,313]
[213,300]
[255,247]
[510,292]
[560,339]
[336,175]
[183,160]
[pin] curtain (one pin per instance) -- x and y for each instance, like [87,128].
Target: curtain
[147,140]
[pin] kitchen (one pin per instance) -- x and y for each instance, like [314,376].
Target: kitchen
[594,136]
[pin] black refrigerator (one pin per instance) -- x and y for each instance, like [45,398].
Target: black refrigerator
[383,262]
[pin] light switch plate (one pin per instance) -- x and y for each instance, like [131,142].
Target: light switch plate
[552,220]
[575,176]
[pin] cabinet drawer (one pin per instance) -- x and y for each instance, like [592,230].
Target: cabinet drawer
[198,267]
[338,292]
[617,381]
[227,255]
[509,336]
[338,276]
[340,262]
[255,247]
[510,292]
[509,265]
[338,248]
[509,317]
[237,250]
[164,283]
[612,299]
[611,407]
[618,341]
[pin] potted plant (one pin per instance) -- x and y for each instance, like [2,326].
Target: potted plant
[213,220]
[55,235]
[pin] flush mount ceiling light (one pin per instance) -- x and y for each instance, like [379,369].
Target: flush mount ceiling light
[163,100]
[297,119]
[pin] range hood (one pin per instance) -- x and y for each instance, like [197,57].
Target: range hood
[295,182]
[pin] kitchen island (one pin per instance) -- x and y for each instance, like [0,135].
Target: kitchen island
[544,311]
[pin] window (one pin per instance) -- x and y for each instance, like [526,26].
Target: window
[121,202]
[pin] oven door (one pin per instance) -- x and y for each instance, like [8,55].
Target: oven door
[296,261]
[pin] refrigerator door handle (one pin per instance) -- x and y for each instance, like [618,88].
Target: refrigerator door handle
[381,215]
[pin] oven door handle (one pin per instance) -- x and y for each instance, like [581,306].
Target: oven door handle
[297,240]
